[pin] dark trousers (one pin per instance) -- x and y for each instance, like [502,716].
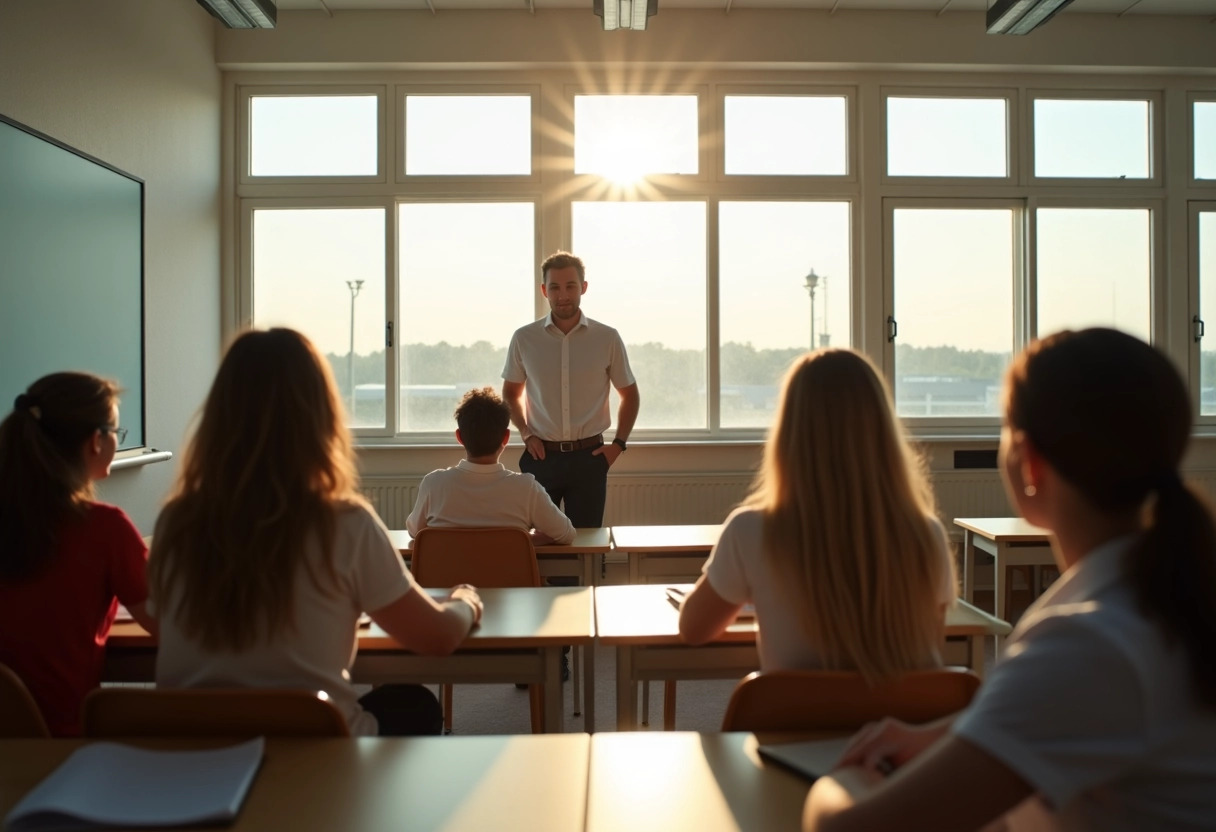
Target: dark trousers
[404,710]
[577,482]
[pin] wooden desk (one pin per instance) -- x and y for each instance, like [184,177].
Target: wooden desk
[577,559]
[373,784]
[1011,541]
[665,553]
[678,781]
[520,639]
[581,559]
[643,626]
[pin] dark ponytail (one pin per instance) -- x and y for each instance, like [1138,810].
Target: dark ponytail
[43,479]
[1112,416]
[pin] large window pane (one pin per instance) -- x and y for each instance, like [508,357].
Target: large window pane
[767,312]
[468,279]
[1094,269]
[954,308]
[646,277]
[625,137]
[1205,139]
[947,137]
[468,135]
[321,271]
[791,135]
[1207,311]
[313,135]
[1092,139]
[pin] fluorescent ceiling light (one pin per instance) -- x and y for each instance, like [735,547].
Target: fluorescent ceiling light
[242,14]
[1019,17]
[625,14]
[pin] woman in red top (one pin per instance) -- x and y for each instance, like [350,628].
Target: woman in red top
[66,561]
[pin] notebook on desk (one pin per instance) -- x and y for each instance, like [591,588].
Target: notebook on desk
[812,758]
[676,596]
[106,784]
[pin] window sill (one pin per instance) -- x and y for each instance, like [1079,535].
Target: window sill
[139,458]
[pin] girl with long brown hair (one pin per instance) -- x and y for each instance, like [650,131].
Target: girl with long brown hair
[837,546]
[66,560]
[1102,714]
[265,555]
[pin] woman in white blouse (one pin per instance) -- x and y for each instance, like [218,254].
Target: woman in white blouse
[1102,714]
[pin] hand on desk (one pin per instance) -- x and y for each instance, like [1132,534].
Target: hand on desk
[468,594]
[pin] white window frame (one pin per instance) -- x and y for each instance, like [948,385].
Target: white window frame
[474,182]
[1195,344]
[1156,138]
[245,96]
[1012,131]
[849,93]
[1193,98]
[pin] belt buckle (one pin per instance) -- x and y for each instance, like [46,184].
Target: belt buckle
[565,447]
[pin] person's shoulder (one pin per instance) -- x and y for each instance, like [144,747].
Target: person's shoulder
[600,327]
[532,328]
[743,521]
[105,515]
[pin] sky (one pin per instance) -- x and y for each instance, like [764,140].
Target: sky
[468,270]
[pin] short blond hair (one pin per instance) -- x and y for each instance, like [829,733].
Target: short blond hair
[562,260]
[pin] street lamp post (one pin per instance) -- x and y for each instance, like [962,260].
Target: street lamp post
[825,339]
[354,286]
[812,280]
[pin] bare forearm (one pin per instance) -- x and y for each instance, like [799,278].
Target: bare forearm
[627,413]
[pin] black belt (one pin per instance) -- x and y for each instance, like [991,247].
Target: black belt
[575,445]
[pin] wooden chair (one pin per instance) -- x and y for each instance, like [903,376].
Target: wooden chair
[211,712]
[489,557]
[20,717]
[828,700]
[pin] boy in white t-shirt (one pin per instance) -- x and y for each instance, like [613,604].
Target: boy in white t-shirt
[479,491]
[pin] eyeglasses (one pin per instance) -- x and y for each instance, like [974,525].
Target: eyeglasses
[121,433]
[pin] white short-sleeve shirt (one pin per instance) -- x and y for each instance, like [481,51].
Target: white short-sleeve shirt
[739,572]
[487,495]
[318,652]
[1093,707]
[566,376]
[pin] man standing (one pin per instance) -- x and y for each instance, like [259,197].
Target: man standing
[565,362]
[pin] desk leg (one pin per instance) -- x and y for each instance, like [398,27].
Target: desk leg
[998,583]
[553,690]
[969,566]
[975,654]
[626,693]
[576,678]
[589,688]
[635,568]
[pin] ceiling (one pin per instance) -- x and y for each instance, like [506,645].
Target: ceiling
[1117,7]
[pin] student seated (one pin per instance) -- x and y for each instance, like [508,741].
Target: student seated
[66,561]
[1102,715]
[479,490]
[837,546]
[265,555]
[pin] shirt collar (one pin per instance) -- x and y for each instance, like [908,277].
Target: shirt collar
[582,322]
[1087,577]
[477,468]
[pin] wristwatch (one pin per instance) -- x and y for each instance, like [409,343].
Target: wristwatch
[620,443]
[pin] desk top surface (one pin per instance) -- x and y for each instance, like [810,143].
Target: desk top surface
[1004,529]
[665,538]
[640,614]
[516,617]
[537,782]
[664,781]
[595,541]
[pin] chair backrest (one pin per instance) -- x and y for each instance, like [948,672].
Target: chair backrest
[20,716]
[211,712]
[490,557]
[823,700]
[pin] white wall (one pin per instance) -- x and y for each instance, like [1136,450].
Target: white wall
[134,83]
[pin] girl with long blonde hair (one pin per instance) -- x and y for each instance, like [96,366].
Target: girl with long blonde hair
[66,560]
[837,545]
[265,555]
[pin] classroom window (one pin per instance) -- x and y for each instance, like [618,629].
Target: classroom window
[468,135]
[1204,119]
[467,278]
[1094,269]
[1104,139]
[313,135]
[786,135]
[625,137]
[768,314]
[954,279]
[646,277]
[947,137]
[1207,311]
[321,271]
